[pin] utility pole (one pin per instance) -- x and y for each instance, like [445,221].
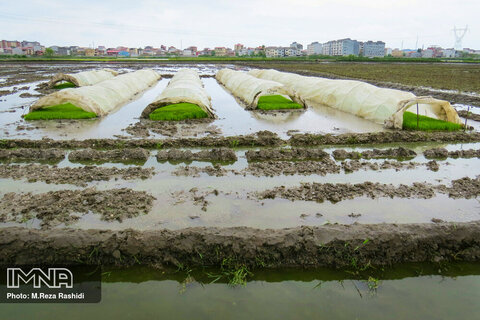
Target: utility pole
[459,34]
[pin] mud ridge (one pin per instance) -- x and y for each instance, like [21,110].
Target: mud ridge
[462,188]
[189,127]
[286,154]
[469,115]
[395,153]
[119,155]
[356,165]
[307,167]
[67,206]
[213,155]
[334,246]
[442,153]
[76,176]
[53,155]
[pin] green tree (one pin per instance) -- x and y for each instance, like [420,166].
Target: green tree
[49,52]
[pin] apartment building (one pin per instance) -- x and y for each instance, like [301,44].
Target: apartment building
[314,48]
[373,49]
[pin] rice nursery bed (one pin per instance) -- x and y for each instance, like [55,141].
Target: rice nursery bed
[61,111]
[177,112]
[64,85]
[410,122]
[276,102]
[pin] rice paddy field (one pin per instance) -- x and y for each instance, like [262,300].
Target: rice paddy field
[288,213]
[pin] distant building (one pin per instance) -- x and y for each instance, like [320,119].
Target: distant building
[342,47]
[314,48]
[275,52]
[237,48]
[397,53]
[90,52]
[6,44]
[133,52]
[449,53]
[220,51]
[374,49]
[296,45]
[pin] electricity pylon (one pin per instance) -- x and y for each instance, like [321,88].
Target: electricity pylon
[459,34]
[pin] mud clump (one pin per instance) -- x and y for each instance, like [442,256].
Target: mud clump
[192,171]
[334,246]
[466,188]
[75,176]
[119,155]
[341,191]
[355,165]
[67,206]
[276,168]
[433,165]
[383,137]
[393,153]
[22,154]
[442,153]
[286,154]
[189,127]
[469,115]
[213,155]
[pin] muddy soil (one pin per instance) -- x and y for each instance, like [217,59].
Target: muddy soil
[469,115]
[213,155]
[276,168]
[67,206]
[76,176]
[462,188]
[442,153]
[197,197]
[395,153]
[382,137]
[192,127]
[192,171]
[119,155]
[50,155]
[355,165]
[286,154]
[334,246]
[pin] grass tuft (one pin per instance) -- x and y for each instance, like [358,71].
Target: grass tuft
[64,85]
[177,112]
[427,123]
[276,102]
[60,111]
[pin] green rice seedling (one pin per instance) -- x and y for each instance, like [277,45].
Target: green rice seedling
[427,123]
[60,111]
[276,102]
[64,85]
[177,112]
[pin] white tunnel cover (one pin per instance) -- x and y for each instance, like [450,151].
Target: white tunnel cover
[185,87]
[104,96]
[85,78]
[249,89]
[384,106]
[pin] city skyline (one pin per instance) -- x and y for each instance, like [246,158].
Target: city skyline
[220,23]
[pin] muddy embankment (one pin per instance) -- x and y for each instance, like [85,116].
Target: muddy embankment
[80,176]
[336,246]
[123,155]
[259,139]
[442,153]
[466,188]
[213,155]
[469,115]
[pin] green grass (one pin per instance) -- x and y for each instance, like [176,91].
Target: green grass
[177,112]
[276,102]
[60,111]
[64,85]
[427,123]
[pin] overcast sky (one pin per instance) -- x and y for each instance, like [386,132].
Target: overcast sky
[137,23]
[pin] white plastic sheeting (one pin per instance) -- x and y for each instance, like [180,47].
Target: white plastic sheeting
[249,89]
[385,106]
[185,87]
[85,78]
[104,96]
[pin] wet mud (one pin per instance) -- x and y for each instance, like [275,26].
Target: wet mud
[192,127]
[259,139]
[192,171]
[67,206]
[286,154]
[213,155]
[276,168]
[119,155]
[469,115]
[334,246]
[393,153]
[442,153]
[75,176]
[466,188]
[22,154]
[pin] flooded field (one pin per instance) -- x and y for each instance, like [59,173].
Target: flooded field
[248,193]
